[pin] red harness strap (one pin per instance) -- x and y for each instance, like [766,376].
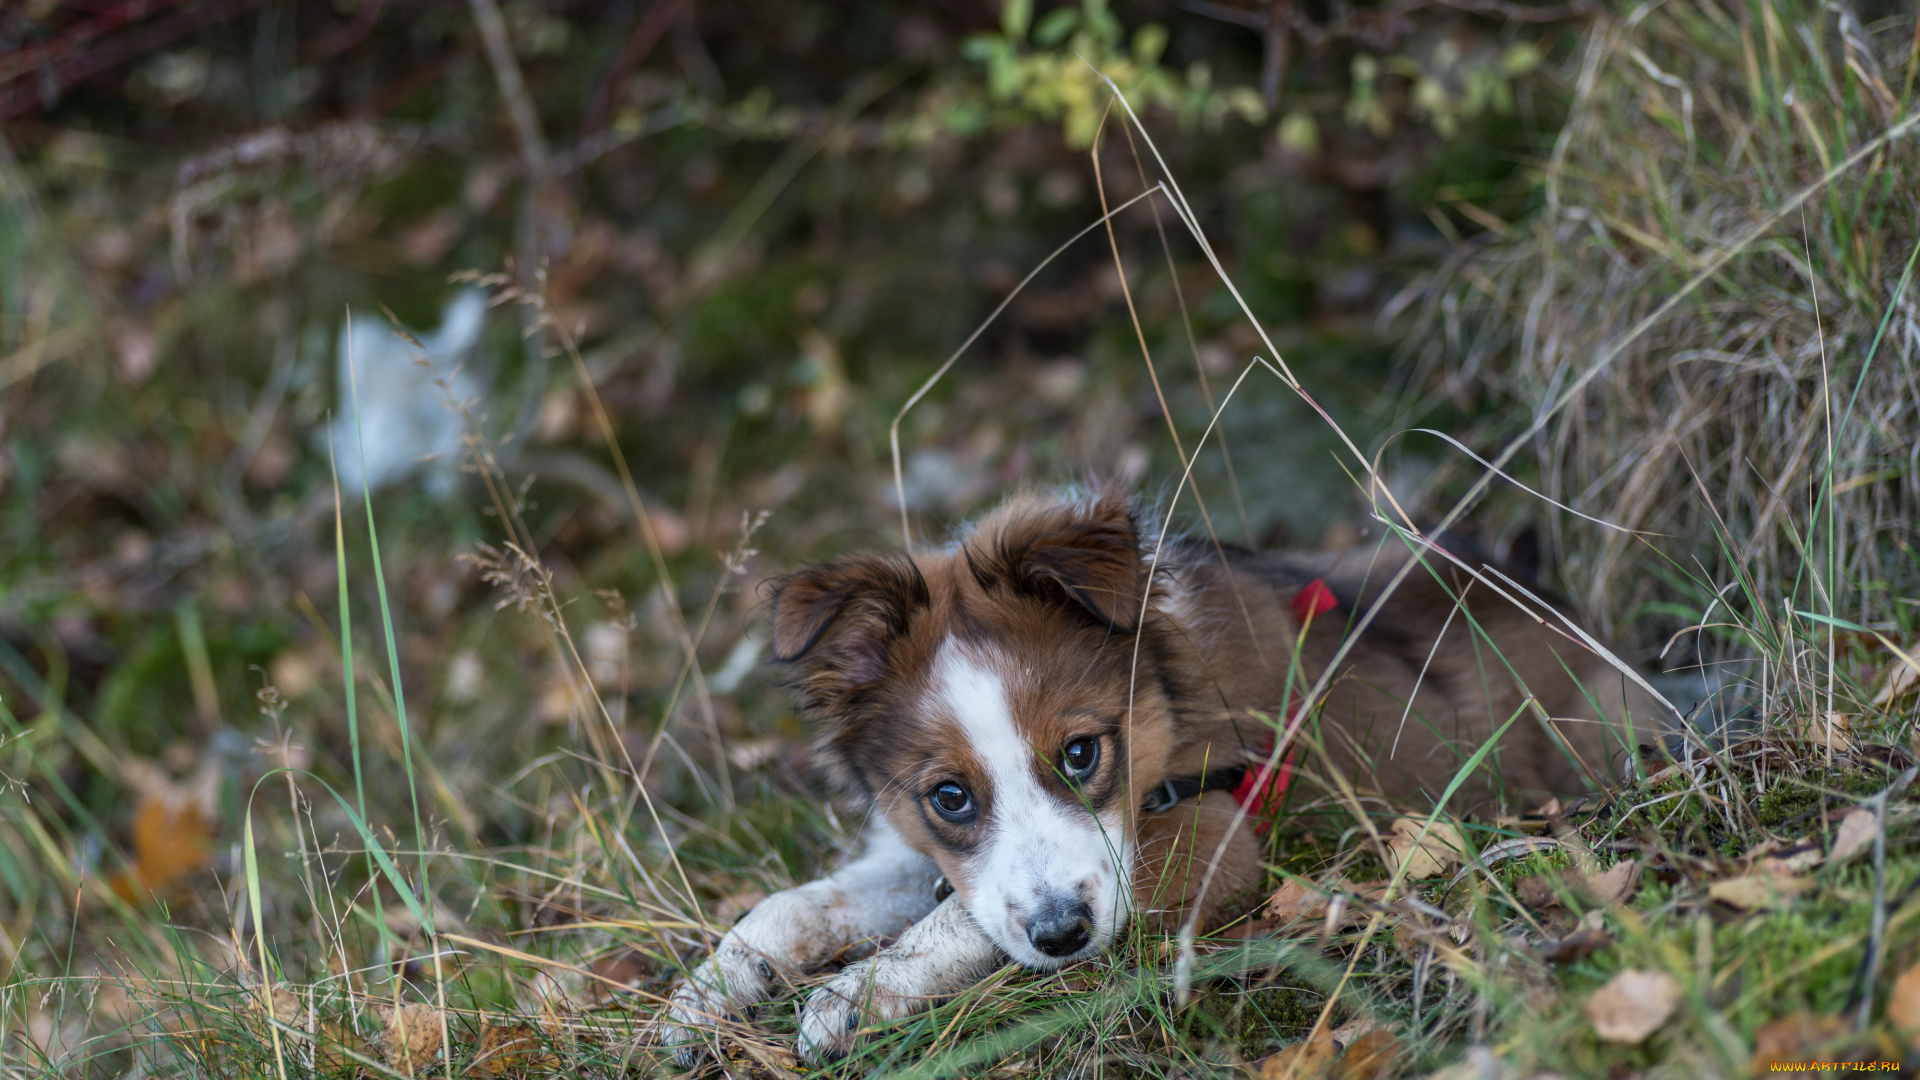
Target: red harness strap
[1260,791]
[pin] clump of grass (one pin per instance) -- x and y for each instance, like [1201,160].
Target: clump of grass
[1784,381]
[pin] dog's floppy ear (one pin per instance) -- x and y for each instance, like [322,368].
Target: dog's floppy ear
[1089,556]
[841,616]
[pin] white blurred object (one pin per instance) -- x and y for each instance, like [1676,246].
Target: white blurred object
[407,419]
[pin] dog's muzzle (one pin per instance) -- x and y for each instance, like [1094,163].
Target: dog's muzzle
[1061,926]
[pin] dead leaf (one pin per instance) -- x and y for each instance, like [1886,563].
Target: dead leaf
[1617,885]
[1611,889]
[1368,1056]
[1793,1038]
[626,969]
[1304,1060]
[1590,937]
[1795,860]
[337,1038]
[286,1007]
[1295,900]
[1633,1005]
[1855,833]
[412,1036]
[1429,856]
[511,1048]
[1537,891]
[1902,679]
[172,830]
[1832,731]
[1903,1006]
[1754,892]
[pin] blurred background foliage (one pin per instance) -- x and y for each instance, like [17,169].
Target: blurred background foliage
[765,225]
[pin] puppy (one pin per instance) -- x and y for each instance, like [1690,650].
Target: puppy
[1063,746]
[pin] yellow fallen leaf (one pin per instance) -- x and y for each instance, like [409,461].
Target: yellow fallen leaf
[1633,1005]
[1429,856]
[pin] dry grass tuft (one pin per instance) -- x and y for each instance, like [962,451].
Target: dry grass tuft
[1790,370]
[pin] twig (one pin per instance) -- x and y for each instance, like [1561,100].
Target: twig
[1870,963]
[639,44]
[75,40]
[530,241]
[348,36]
[38,94]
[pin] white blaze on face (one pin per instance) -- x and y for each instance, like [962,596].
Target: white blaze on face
[1036,846]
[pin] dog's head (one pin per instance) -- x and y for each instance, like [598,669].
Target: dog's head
[1004,703]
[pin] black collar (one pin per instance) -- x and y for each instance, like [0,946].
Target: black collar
[1182,788]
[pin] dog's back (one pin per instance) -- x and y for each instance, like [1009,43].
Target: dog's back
[1467,658]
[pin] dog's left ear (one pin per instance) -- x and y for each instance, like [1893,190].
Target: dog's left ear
[840,619]
[1089,556]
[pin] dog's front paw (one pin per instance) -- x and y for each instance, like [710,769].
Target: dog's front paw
[721,990]
[862,995]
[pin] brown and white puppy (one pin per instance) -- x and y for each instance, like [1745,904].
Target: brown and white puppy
[1028,720]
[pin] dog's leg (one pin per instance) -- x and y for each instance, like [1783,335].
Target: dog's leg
[790,933]
[942,954]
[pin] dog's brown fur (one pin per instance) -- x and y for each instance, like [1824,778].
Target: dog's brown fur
[1056,585]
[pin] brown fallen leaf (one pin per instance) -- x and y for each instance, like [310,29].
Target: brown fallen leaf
[1617,885]
[1295,900]
[1830,731]
[1755,892]
[1854,835]
[172,831]
[1797,859]
[1429,856]
[1590,937]
[1633,1005]
[1298,900]
[1611,889]
[625,968]
[1903,1006]
[1794,1037]
[1369,1056]
[286,1006]
[1305,1060]
[1902,679]
[508,1048]
[413,1033]
[1537,891]
[337,1043]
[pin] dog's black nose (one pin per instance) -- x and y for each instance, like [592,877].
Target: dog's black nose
[1061,927]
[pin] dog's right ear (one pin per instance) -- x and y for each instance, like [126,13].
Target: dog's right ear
[841,617]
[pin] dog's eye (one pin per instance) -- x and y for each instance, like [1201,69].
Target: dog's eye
[1079,757]
[953,801]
